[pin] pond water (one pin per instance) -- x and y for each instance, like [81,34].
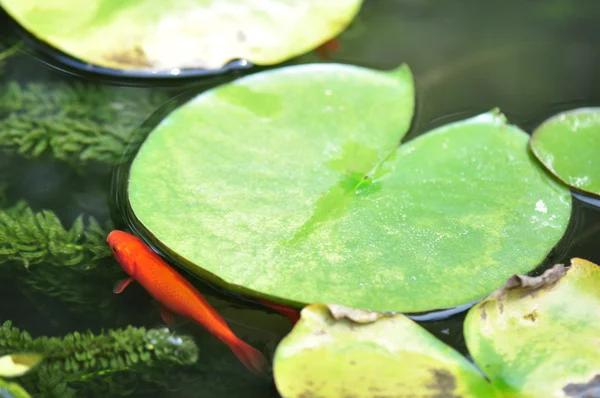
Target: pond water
[531,59]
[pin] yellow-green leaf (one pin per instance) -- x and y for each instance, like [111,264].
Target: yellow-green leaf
[160,35]
[339,352]
[539,336]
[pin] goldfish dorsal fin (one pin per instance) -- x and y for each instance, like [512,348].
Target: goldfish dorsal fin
[121,285]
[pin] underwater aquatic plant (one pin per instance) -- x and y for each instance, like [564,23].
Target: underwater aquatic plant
[55,260]
[8,50]
[32,238]
[83,358]
[76,123]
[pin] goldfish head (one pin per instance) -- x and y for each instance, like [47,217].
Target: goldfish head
[124,247]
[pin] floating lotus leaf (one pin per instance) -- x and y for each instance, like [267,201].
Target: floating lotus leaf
[568,144]
[538,337]
[18,364]
[161,35]
[341,352]
[288,185]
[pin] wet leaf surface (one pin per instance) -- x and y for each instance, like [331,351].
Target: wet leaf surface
[568,144]
[538,337]
[327,356]
[288,185]
[182,33]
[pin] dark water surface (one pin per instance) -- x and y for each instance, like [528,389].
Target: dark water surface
[529,58]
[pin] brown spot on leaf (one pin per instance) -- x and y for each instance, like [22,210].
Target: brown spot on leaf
[590,389]
[26,359]
[532,317]
[483,314]
[135,57]
[501,306]
[443,385]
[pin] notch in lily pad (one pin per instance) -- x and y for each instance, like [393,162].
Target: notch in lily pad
[182,34]
[568,144]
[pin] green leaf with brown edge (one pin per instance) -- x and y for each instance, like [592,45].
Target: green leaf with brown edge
[538,336]
[568,144]
[183,33]
[334,351]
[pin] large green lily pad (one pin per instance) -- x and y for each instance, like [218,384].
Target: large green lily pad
[162,35]
[288,185]
[538,337]
[568,144]
[340,352]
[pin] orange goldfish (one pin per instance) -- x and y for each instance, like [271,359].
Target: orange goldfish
[328,48]
[175,294]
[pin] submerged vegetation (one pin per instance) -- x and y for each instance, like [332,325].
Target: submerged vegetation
[78,357]
[54,260]
[63,263]
[82,125]
[32,238]
[75,123]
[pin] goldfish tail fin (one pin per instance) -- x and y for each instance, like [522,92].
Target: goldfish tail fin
[252,359]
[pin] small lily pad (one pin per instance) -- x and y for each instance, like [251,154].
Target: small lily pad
[330,355]
[159,35]
[568,144]
[18,364]
[290,185]
[538,336]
